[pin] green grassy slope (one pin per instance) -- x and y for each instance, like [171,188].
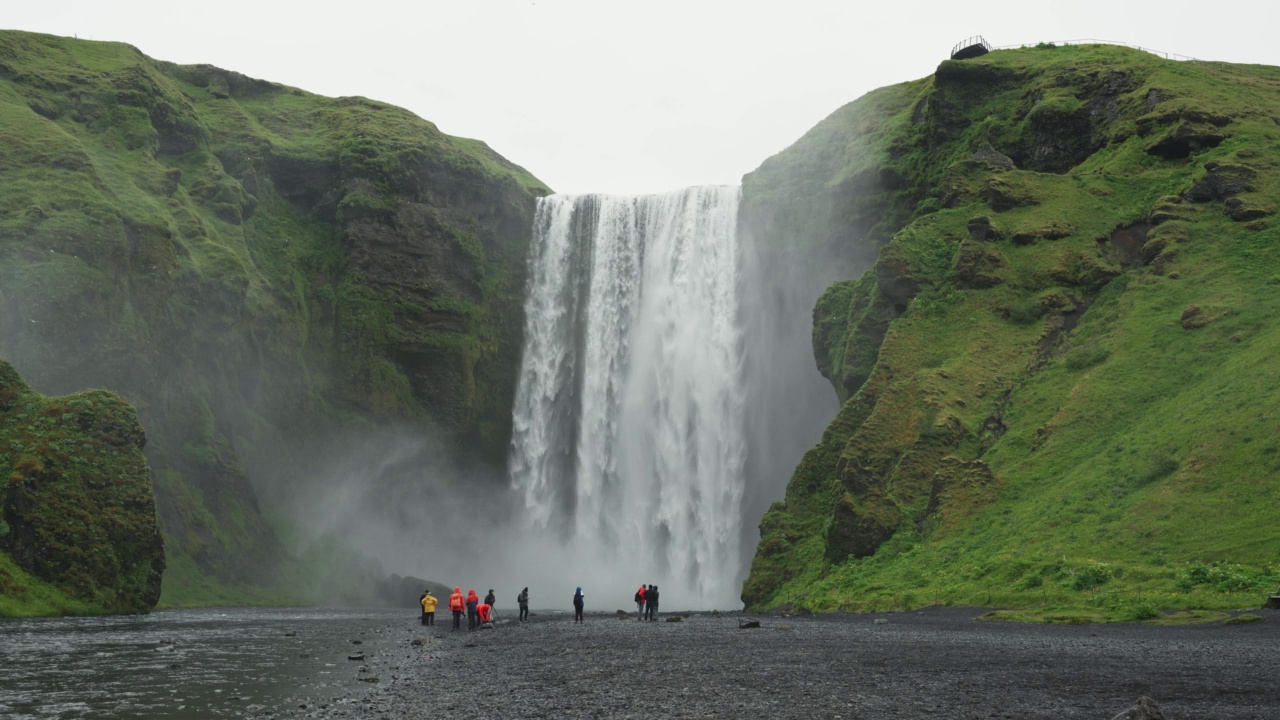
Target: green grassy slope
[1057,378]
[251,265]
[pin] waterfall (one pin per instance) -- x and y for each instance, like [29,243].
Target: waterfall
[628,421]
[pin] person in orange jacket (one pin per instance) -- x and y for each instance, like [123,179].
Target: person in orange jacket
[485,611]
[473,616]
[457,605]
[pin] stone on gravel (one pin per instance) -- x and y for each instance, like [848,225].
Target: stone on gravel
[416,643]
[674,618]
[356,656]
[748,624]
[1144,709]
[880,621]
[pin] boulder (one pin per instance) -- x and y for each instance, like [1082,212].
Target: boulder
[748,624]
[674,618]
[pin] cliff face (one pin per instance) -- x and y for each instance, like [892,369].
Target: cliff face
[78,516]
[1055,376]
[253,267]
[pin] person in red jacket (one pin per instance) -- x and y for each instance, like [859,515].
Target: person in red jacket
[457,605]
[640,603]
[473,602]
[485,610]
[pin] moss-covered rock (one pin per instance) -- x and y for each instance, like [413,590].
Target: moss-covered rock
[78,513]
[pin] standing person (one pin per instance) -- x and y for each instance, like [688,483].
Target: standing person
[523,601]
[579,600]
[473,614]
[647,613]
[489,600]
[429,608]
[640,603]
[652,597]
[457,605]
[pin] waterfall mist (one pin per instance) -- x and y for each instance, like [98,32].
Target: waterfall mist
[666,393]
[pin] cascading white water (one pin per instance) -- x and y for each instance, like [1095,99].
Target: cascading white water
[628,421]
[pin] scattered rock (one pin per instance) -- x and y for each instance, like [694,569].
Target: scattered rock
[1144,709]
[356,656]
[991,156]
[622,614]
[1193,318]
[880,621]
[415,642]
[981,229]
[748,624]
[370,679]
[674,618]
[1221,181]
[357,642]
[291,634]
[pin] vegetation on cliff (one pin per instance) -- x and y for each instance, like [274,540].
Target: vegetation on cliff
[1056,378]
[78,526]
[256,269]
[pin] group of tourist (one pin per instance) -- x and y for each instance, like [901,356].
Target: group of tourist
[483,614]
[479,614]
[647,602]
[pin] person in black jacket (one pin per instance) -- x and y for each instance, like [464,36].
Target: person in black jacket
[651,598]
[523,601]
[490,599]
[579,600]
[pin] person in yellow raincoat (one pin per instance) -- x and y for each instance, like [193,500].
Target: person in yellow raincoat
[429,602]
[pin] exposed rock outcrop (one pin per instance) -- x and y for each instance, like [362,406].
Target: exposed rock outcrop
[77,510]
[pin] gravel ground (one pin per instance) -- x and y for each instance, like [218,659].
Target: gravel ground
[934,663]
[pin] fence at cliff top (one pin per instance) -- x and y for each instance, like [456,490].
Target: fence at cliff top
[1094,41]
[975,46]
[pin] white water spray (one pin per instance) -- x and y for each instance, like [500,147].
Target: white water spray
[628,421]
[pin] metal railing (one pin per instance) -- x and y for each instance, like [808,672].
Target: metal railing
[1091,41]
[970,42]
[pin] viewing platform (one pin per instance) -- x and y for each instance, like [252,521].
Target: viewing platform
[972,47]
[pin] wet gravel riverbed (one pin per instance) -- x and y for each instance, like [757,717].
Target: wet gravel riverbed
[936,663]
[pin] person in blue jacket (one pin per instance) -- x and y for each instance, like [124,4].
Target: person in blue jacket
[578,602]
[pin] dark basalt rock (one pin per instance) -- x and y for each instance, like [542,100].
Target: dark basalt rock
[1222,180]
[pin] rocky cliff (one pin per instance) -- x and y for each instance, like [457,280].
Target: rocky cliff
[1055,376]
[78,526]
[258,270]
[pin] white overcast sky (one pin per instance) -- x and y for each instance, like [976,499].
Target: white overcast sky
[629,97]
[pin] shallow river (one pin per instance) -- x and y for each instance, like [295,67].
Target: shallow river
[190,663]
